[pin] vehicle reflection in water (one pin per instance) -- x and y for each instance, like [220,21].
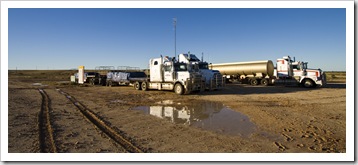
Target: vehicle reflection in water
[205,115]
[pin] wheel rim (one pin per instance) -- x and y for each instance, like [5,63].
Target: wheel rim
[253,82]
[144,86]
[308,83]
[178,89]
[264,82]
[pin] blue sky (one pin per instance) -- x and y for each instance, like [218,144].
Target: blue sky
[65,38]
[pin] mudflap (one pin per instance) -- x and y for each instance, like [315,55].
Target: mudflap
[186,92]
[202,86]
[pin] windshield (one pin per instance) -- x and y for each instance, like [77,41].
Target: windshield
[91,73]
[296,67]
[194,67]
[181,67]
[193,58]
[304,65]
[203,66]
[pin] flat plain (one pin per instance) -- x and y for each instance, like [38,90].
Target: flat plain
[48,114]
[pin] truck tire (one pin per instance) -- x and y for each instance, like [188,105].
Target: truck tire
[102,82]
[264,82]
[178,89]
[144,86]
[254,82]
[110,83]
[137,85]
[92,81]
[308,83]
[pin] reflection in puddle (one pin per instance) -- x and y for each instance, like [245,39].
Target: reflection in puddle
[205,115]
[38,84]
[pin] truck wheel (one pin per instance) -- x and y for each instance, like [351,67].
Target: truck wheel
[264,82]
[92,81]
[137,85]
[308,83]
[101,82]
[144,86]
[178,89]
[254,82]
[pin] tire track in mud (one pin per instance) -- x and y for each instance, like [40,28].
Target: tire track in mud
[103,125]
[46,139]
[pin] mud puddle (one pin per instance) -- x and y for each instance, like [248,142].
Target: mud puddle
[39,84]
[205,115]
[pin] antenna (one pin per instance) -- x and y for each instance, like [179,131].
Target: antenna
[202,56]
[175,36]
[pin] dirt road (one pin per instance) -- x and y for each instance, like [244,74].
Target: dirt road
[236,119]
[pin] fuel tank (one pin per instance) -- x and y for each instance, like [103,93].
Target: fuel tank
[245,68]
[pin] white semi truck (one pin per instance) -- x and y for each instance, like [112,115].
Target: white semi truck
[287,72]
[213,78]
[306,76]
[168,74]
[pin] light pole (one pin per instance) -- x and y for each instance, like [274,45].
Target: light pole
[175,36]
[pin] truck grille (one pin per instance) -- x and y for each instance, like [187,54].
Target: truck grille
[217,81]
[197,80]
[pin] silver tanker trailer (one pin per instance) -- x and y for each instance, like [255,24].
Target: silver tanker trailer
[286,72]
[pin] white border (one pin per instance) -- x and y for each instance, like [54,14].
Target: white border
[348,156]
[176,4]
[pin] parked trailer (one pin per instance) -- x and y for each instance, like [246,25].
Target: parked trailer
[255,72]
[287,72]
[123,78]
[114,74]
[168,74]
[93,78]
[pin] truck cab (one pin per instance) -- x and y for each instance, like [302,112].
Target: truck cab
[308,77]
[287,68]
[213,79]
[168,74]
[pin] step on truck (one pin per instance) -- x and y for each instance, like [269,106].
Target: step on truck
[165,73]
[287,72]
[213,79]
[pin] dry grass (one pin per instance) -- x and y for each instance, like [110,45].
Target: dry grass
[334,76]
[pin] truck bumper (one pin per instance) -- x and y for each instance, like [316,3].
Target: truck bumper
[320,83]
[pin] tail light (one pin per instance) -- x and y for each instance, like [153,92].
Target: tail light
[317,74]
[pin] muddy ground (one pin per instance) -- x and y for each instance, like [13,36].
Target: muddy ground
[236,119]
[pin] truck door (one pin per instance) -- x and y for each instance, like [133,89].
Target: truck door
[284,68]
[168,73]
[156,70]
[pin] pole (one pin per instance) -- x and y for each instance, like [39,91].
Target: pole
[175,37]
